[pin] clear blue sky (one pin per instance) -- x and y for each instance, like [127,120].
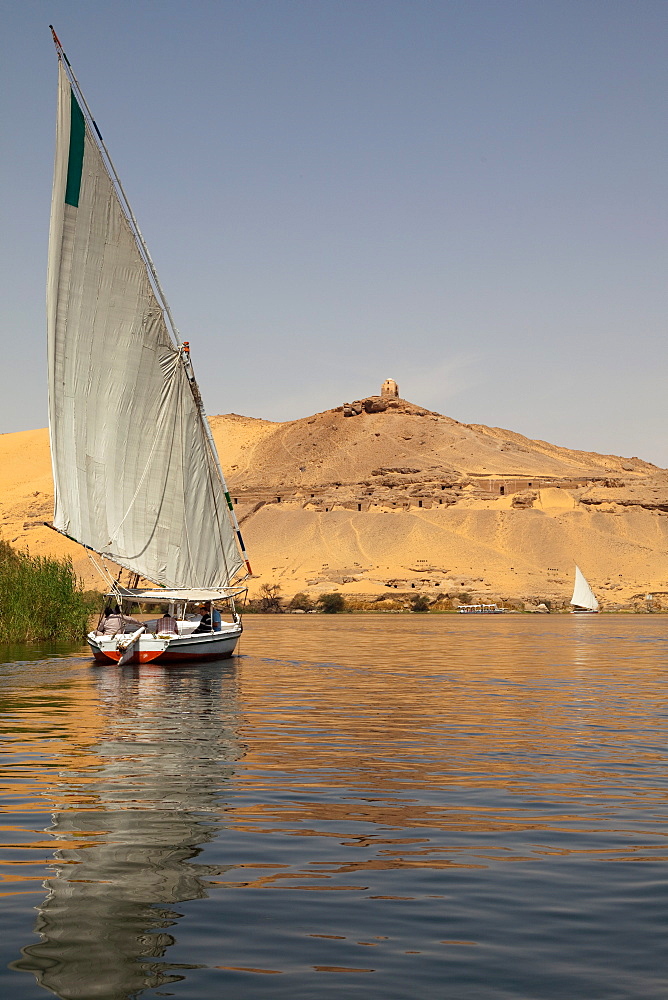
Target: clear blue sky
[468,197]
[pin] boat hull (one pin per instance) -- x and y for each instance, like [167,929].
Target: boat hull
[480,609]
[584,611]
[149,648]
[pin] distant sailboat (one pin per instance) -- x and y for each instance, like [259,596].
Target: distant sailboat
[136,474]
[583,601]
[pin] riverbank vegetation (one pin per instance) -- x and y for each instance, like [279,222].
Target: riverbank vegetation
[40,598]
[397,601]
[270,601]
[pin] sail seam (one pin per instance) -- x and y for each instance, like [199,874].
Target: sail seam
[112,173]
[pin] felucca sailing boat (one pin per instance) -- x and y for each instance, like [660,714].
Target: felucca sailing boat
[583,601]
[136,474]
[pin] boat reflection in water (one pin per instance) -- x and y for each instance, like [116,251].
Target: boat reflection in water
[132,829]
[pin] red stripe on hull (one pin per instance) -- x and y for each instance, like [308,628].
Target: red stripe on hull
[113,656]
[158,656]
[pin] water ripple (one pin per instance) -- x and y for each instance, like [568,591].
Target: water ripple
[382,806]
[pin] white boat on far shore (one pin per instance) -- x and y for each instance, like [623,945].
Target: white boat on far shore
[583,601]
[479,609]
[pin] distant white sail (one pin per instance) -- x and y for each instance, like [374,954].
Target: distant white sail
[134,472]
[583,595]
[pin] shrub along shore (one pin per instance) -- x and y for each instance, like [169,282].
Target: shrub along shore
[270,601]
[40,598]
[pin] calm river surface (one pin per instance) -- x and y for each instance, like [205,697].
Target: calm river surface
[381,807]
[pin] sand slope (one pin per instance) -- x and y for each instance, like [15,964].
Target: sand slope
[404,499]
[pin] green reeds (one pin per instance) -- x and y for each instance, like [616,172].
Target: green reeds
[40,598]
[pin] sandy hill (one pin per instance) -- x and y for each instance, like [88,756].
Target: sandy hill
[381,496]
[329,449]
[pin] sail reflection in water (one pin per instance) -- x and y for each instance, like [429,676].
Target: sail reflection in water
[427,806]
[131,848]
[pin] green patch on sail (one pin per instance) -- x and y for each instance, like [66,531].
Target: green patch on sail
[75,161]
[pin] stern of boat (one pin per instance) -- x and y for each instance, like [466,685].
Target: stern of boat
[150,648]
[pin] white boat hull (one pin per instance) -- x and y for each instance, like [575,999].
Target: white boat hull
[480,609]
[149,648]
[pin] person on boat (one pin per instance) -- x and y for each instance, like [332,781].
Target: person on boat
[166,625]
[114,621]
[210,620]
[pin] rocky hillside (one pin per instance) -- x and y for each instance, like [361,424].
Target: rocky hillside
[390,449]
[381,497]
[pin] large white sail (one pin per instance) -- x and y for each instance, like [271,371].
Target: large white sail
[583,595]
[135,475]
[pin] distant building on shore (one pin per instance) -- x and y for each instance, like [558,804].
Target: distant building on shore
[373,404]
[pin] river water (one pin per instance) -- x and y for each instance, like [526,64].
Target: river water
[387,807]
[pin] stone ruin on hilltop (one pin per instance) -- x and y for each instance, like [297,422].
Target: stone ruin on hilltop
[389,399]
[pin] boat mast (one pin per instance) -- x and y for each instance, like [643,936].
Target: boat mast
[183,346]
[206,427]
